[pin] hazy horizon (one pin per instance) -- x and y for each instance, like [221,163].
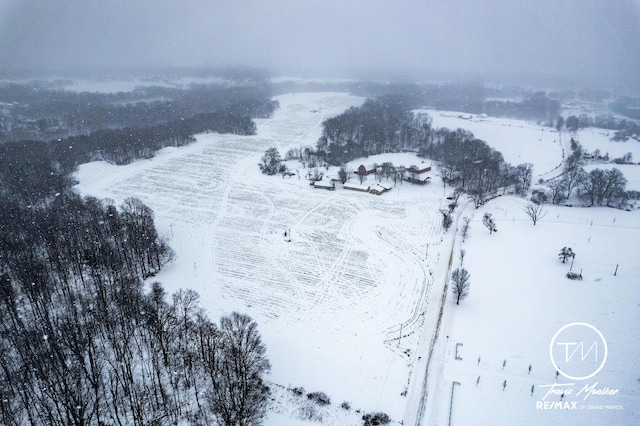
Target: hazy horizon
[581,43]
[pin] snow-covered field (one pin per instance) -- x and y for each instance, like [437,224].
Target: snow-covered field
[520,297]
[592,139]
[518,141]
[348,302]
[521,141]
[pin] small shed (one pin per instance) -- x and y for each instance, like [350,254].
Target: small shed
[421,180]
[380,189]
[331,186]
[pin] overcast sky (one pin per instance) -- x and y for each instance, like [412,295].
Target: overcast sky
[594,39]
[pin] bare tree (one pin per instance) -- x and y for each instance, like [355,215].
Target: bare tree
[316,174]
[447,219]
[557,189]
[344,173]
[535,212]
[460,280]
[566,253]
[388,169]
[573,177]
[524,175]
[464,232]
[239,396]
[603,186]
[478,195]
[489,222]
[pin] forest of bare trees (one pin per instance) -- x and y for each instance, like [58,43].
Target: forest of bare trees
[385,124]
[83,343]
[380,125]
[86,337]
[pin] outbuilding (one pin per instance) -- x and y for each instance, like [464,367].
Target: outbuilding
[418,174]
[380,189]
[331,186]
[356,187]
[418,170]
[365,170]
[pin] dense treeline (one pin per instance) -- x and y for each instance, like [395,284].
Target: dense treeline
[536,107]
[39,112]
[380,125]
[461,96]
[473,166]
[627,106]
[596,187]
[30,173]
[624,129]
[121,146]
[125,145]
[82,343]
[385,124]
[34,169]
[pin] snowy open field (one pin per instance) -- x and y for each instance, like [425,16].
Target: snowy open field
[592,139]
[518,141]
[521,141]
[520,297]
[361,270]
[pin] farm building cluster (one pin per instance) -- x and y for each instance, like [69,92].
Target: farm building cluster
[413,174]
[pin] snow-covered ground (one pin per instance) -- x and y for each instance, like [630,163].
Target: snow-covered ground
[518,141]
[592,139]
[521,141]
[348,302]
[520,297]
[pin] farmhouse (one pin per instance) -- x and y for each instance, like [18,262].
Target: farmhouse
[356,187]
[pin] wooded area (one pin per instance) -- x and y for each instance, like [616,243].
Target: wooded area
[82,342]
[83,339]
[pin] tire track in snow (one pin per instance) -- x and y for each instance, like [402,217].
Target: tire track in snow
[397,245]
